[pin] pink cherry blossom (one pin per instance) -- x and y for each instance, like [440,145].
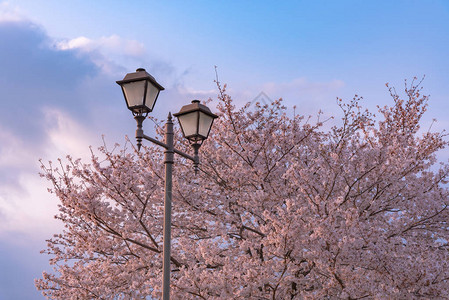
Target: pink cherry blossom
[281,209]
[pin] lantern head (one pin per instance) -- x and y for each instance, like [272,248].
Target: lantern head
[196,121]
[140,90]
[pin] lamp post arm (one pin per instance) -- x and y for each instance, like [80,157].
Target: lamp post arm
[157,142]
[140,135]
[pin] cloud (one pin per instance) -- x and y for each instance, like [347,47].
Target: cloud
[44,113]
[112,53]
[29,210]
[108,53]
[66,135]
[15,158]
[26,207]
[15,154]
[25,204]
[33,75]
[29,61]
[39,85]
[9,13]
[113,44]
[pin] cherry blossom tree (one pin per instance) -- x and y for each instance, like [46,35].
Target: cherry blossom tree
[281,209]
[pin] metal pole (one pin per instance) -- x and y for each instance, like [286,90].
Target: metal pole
[168,161]
[169,153]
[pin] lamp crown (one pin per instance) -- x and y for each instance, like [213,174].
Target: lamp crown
[140,90]
[196,120]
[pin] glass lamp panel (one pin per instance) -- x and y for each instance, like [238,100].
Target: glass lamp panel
[205,124]
[134,92]
[189,123]
[152,93]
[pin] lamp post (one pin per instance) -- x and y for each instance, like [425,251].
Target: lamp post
[141,90]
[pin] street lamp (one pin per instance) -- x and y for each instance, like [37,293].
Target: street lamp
[196,120]
[141,90]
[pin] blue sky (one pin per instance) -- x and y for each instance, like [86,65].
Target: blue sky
[59,61]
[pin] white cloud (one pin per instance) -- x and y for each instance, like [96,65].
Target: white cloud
[65,135]
[109,53]
[81,42]
[196,93]
[26,206]
[9,13]
[113,44]
[14,153]
[29,211]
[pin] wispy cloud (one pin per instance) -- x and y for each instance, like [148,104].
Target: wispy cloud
[113,44]
[108,53]
[9,13]
[25,204]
